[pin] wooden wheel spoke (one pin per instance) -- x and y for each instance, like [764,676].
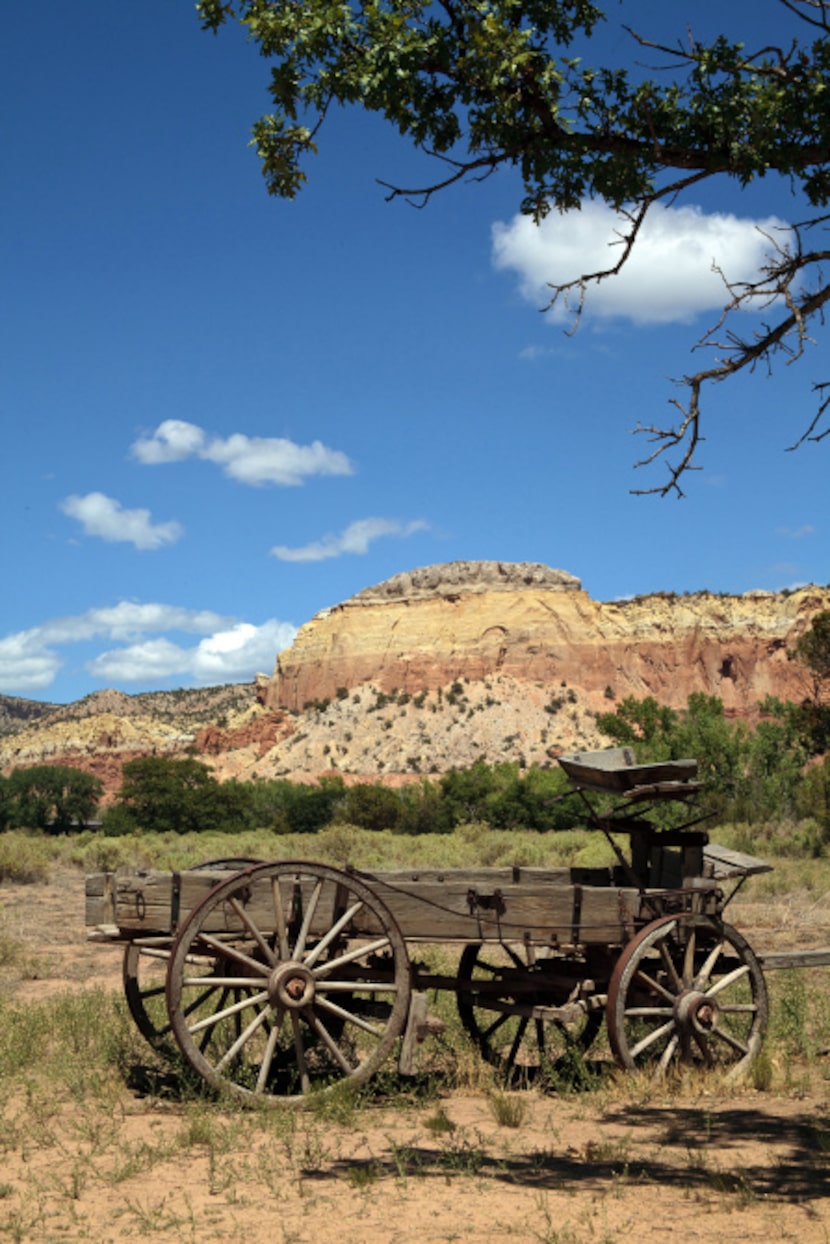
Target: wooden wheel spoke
[655,1035]
[689,956]
[225,1012]
[335,930]
[255,933]
[327,986]
[302,936]
[270,1047]
[516,1043]
[153,952]
[227,950]
[668,962]
[517,960]
[668,1054]
[736,974]
[230,982]
[207,1034]
[349,957]
[348,1017]
[299,1053]
[243,1039]
[331,1045]
[701,1040]
[487,1033]
[196,1003]
[152,991]
[655,986]
[723,1034]
[279,912]
[708,964]
[648,1012]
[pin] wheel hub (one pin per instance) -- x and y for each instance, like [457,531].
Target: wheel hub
[291,986]
[693,1010]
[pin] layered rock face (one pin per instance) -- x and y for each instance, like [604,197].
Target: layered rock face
[473,620]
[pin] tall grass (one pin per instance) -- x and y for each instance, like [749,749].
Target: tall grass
[467,846]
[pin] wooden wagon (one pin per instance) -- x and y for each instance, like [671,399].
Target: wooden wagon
[280,979]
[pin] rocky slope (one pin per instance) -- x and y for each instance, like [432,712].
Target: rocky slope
[438,667]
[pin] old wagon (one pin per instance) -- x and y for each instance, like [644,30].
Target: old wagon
[280,979]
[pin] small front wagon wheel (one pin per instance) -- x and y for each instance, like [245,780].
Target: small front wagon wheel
[288,979]
[687,989]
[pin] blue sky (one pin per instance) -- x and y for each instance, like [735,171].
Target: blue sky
[223,412]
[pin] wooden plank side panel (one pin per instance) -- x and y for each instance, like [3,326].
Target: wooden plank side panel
[547,906]
[607,918]
[143,901]
[542,912]
[492,878]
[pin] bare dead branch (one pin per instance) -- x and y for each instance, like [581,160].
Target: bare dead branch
[779,285]
[463,169]
[822,22]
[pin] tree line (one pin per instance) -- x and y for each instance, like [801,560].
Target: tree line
[748,775]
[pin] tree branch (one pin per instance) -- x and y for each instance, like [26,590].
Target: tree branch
[778,284]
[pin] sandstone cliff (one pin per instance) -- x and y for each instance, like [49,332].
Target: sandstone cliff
[438,667]
[469,620]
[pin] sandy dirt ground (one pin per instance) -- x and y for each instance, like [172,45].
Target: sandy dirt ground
[617,1164]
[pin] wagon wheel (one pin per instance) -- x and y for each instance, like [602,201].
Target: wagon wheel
[144,970]
[687,989]
[496,993]
[287,979]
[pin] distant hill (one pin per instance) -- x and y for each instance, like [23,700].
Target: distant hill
[16,713]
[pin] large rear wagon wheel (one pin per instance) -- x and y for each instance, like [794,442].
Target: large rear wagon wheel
[687,989]
[501,1003]
[286,980]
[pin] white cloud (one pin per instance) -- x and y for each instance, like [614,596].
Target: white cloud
[26,664]
[229,650]
[668,276]
[172,440]
[355,539]
[103,516]
[231,655]
[251,460]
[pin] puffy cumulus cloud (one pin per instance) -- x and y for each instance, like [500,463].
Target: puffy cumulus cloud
[232,655]
[26,663]
[228,651]
[355,539]
[668,276]
[172,440]
[103,516]
[251,460]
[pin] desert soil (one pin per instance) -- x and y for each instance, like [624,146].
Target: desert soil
[627,1162]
